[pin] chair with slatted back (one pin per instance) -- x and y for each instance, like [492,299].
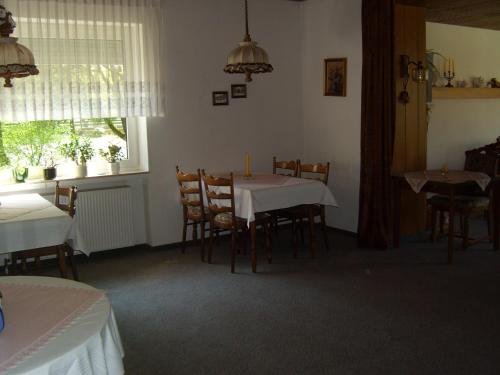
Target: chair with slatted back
[483,159]
[283,168]
[65,200]
[298,214]
[286,168]
[193,209]
[220,200]
[320,172]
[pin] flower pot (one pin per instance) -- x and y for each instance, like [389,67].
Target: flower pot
[114,168]
[49,173]
[80,171]
[20,174]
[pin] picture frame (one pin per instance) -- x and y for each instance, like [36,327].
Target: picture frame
[220,98]
[335,79]
[238,91]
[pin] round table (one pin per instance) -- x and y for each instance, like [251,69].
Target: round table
[91,345]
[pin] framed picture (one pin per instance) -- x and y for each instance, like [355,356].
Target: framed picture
[238,91]
[335,77]
[220,98]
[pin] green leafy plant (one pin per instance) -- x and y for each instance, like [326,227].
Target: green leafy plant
[78,149]
[429,54]
[113,154]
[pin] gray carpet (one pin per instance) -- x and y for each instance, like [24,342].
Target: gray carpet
[346,312]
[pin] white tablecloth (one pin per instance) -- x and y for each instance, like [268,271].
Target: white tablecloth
[266,192]
[34,223]
[91,345]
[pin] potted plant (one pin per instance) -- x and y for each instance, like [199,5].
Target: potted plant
[49,171]
[80,151]
[113,155]
[20,174]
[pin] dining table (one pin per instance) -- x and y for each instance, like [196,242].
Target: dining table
[264,192]
[451,183]
[57,326]
[29,221]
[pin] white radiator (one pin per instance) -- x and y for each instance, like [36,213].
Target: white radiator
[104,219]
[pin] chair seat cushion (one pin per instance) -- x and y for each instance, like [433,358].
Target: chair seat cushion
[461,201]
[224,218]
[195,213]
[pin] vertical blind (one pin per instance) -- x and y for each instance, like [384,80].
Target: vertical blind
[97,58]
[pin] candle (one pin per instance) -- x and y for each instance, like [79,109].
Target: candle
[453,66]
[247,164]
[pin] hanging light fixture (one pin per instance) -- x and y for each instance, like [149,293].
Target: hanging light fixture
[16,61]
[248,59]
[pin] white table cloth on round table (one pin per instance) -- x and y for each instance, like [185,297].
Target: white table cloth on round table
[91,345]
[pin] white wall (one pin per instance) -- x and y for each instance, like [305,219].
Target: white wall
[332,130]
[459,125]
[194,134]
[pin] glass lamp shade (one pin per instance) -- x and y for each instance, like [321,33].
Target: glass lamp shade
[248,59]
[16,60]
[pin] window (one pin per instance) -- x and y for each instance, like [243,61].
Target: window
[99,65]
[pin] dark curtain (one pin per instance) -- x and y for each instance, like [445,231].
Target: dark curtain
[377,124]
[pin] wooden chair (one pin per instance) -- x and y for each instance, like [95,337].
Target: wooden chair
[193,209]
[297,215]
[286,168]
[484,160]
[65,200]
[220,197]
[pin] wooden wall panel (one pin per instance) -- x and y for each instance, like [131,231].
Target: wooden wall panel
[410,148]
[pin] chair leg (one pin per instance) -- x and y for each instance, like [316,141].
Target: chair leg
[24,267]
[301,227]
[202,224]
[323,227]
[72,262]
[441,222]
[233,249]
[195,232]
[269,248]
[465,231]
[433,224]
[211,242]
[294,237]
[61,258]
[184,232]
[13,267]
[38,262]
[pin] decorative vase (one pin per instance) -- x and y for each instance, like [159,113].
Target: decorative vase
[49,173]
[20,174]
[114,168]
[80,171]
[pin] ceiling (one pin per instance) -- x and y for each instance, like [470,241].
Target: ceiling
[474,13]
[483,14]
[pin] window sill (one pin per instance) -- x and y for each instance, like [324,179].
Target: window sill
[45,185]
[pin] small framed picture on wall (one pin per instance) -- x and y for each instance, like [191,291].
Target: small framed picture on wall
[238,91]
[335,77]
[220,98]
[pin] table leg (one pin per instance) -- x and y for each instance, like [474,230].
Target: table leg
[451,225]
[253,230]
[396,235]
[312,234]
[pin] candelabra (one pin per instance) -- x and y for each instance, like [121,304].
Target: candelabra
[449,76]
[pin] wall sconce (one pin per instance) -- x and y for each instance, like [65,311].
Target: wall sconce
[417,74]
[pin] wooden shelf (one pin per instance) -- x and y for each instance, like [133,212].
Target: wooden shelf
[464,93]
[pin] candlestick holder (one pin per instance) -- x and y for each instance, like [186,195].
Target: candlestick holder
[449,76]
